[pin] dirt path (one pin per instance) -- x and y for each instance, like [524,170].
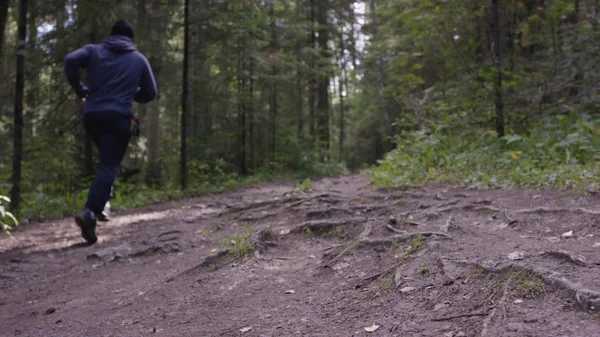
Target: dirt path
[414,261]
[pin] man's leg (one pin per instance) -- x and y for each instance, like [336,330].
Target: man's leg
[112,145]
[112,148]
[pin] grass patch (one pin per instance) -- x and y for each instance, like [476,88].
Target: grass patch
[239,245]
[388,283]
[527,285]
[337,232]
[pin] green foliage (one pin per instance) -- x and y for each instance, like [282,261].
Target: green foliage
[305,186]
[560,151]
[7,219]
[239,245]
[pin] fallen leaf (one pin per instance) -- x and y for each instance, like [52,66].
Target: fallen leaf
[413,223]
[372,328]
[518,301]
[246,329]
[516,256]
[214,250]
[407,289]
[205,233]
[291,291]
[567,234]
[284,231]
[597,245]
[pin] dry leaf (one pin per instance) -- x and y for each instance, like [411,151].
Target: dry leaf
[597,245]
[291,291]
[567,234]
[246,329]
[284,231]
[372,328]
[214,250]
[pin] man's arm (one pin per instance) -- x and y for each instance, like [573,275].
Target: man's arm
[147,91]
[73,63]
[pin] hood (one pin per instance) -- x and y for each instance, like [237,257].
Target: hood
[119,43]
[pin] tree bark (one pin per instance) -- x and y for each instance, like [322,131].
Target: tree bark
[342,76]
[32,73]
[154,173]
[499,104]
[323,77]
[274,104]
[381,82]
[3,18]
[15,193]
[184,96]
[312,81]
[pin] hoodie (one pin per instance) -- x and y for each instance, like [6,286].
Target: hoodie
[118,74]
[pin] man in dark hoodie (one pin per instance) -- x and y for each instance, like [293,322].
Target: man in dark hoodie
[117,75]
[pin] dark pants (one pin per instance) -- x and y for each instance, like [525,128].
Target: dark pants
[110,131]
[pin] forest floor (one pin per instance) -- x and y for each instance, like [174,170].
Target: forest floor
[337,261]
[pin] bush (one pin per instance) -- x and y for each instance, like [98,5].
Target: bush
[6,217]
[560,152]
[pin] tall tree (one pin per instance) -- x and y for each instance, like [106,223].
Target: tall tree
[15,193]
[3,18]
[184,94]
[323,76]
[499,103]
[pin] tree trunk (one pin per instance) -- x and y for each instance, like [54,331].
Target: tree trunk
[241,108]
[381,83]
[251,155]
[312,85]
[15,193]
[300,109]
[323,77]
[577,50]
[154,173]
[274,51]
[3,18]
[498,64]
[184,95]
[32,72]
[342,76]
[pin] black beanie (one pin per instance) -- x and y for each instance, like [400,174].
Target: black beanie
[122,27]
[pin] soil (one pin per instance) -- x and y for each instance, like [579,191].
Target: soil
[273,261]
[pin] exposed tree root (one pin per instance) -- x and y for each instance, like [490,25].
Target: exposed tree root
[471,207]
[327,213]
[448,318]
[542,210]
[251,217]
[393,229]
[586,298]
[258,242]
[320,226]
[334,254]
[401,188]
[567,256]
[400,238]
[490,317]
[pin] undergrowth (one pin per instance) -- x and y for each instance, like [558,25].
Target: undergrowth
[560,152]
[39,206]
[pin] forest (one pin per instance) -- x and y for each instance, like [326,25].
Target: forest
[483,93]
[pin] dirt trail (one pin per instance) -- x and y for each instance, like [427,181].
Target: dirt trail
[414,261]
